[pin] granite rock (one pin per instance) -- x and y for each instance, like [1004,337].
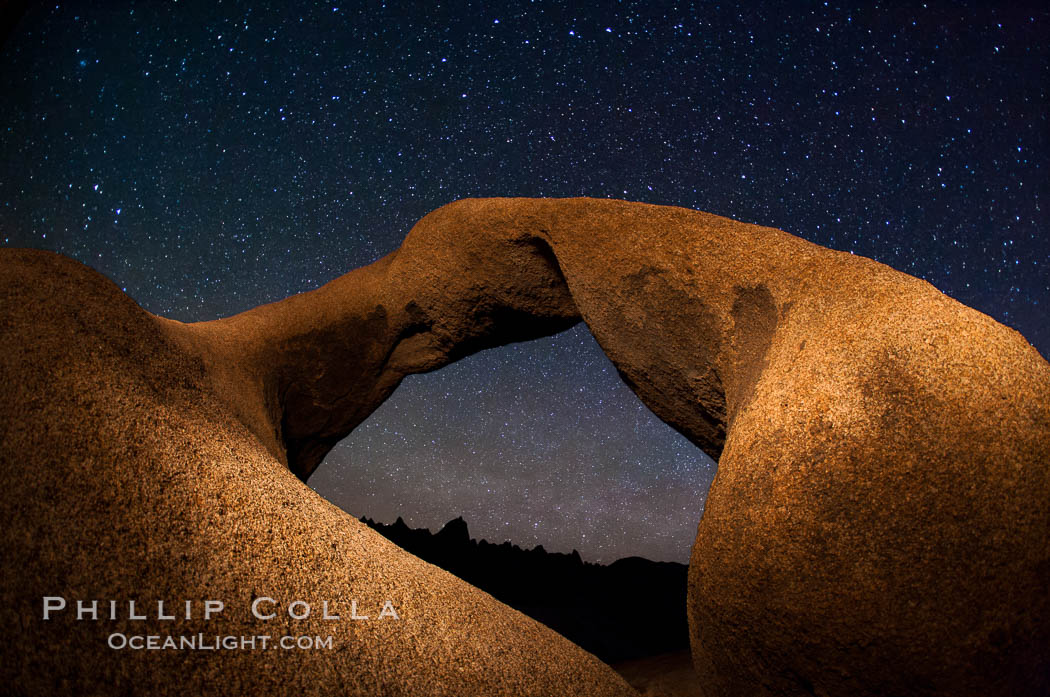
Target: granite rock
[878,523]
[125,476]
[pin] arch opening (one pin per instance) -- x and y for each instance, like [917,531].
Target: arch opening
[538,443]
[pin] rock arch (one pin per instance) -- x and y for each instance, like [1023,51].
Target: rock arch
[874,436]
[878,522]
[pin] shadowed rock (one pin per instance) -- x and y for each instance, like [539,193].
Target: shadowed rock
[630,609]
[878,524]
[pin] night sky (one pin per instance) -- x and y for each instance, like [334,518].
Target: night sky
[211,156]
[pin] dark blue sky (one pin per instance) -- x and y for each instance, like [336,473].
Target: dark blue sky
[211,156]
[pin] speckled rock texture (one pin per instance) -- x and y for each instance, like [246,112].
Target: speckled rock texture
[878,525]
[125,476]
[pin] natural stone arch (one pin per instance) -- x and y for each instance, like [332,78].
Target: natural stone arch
[878,523]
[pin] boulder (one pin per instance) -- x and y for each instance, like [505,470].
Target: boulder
[125,477]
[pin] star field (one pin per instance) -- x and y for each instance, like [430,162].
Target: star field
[211,156]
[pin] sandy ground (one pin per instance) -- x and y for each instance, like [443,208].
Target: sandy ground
[667,675]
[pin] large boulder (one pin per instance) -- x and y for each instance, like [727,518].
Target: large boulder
[125,477]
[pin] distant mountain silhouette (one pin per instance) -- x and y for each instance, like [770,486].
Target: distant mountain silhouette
[629,609]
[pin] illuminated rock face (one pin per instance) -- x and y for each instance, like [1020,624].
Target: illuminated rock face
[125,478]
[878,524]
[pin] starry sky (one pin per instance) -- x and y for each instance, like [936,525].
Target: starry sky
[210,156]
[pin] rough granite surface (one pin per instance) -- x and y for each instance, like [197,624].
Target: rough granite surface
[878,524]
[123,477]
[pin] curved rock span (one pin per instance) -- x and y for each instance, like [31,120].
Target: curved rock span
[878,524]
